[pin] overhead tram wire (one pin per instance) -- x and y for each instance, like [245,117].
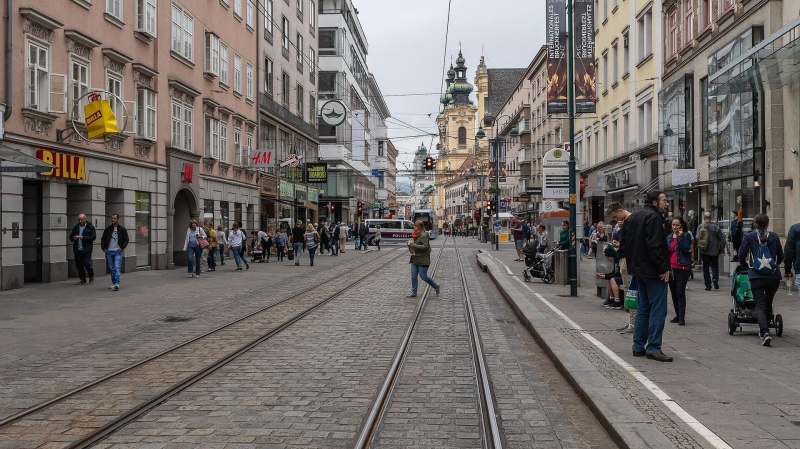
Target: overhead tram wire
[444,53]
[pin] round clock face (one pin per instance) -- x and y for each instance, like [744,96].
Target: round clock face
[333,112]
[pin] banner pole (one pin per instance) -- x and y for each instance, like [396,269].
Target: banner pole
[573,194]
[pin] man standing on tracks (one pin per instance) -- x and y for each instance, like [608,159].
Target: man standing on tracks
[113,243]
[83,236]
[644,245]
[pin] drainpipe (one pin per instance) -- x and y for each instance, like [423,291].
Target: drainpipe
[9,59]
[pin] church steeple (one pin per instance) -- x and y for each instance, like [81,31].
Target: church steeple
[461,87]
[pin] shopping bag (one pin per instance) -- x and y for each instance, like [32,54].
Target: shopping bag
[632,295]
[100,118]
[290,255]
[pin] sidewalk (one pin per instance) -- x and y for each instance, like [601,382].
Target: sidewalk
[741,392]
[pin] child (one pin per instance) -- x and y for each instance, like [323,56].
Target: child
[614,278]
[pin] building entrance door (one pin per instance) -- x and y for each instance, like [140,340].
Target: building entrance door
[32,234]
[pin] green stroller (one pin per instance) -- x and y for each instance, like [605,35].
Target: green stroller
[743,312]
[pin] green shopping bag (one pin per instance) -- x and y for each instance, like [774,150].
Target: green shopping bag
[632,295]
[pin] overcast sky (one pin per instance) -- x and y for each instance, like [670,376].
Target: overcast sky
[406,46]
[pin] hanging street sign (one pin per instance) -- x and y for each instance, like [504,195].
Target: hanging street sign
[292,160]
[333,112]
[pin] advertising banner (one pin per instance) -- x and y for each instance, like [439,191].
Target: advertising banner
[492,159]
[556,14]
[585,70]
[316,172]
[100,118]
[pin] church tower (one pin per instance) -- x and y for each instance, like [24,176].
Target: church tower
[456,128]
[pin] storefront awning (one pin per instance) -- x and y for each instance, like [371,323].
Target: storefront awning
[21,162]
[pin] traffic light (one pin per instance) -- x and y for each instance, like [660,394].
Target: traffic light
[489,205]
[333,208]
[360,207]
[428,163]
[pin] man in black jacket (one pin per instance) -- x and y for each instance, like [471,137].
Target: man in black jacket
[113,242]
[363,234]
[83,236]
[644,245]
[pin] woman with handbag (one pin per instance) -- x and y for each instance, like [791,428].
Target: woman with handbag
[312,239]
[193,244]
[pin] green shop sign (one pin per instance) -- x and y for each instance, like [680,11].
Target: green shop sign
[313,195]
[287,189]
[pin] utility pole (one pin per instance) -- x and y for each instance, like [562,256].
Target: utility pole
[573,191]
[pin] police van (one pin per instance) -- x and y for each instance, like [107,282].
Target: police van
[392,230]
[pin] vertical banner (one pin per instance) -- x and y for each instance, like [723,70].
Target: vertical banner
[493,159]
[585,70]
[557,56]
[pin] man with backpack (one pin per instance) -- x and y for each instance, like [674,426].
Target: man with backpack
[710,244]
[761,254]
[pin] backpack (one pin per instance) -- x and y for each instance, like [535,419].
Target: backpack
[763,258]
[703,237]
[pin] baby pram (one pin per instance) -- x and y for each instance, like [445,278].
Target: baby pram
[538,265]
[743,312]
[258,254]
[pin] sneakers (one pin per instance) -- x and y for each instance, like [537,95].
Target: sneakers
[413,295]
[607,303]
[716,285]
[766,339]
[438,289]
[114,287]
[616,305]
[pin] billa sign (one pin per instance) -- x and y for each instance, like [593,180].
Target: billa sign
[100,118]
[556,56]
[316,172]
[66,165]
[585,70]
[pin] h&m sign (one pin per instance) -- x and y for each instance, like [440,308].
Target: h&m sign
[66,165]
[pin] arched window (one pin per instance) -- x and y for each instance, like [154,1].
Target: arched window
[462,135]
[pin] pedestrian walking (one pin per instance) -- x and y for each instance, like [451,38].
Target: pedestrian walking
[113,243]
[363,235]
[265,242]
[791,253]
[192,244]
[222,244]
[243,249]
[336,233]
[343,232]
[585,239]
[519,238]
[298,241]
[205,249]
[526,231]
[761,253]
[280,241]
[378,237]
[679,243]
[324,238]
[236,240]
[647,256]
[420,248]
[313,240]
[711,243]
[212,247]
[83,236]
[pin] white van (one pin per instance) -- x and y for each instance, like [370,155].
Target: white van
[392,230]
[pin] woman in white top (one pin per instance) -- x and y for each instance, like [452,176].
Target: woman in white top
[235,240]
[192,245]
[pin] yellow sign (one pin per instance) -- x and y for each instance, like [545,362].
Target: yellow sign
[573,198]
[66,165]
[557,154]
[100,118]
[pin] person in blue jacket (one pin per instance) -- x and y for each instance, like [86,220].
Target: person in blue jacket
[764,281]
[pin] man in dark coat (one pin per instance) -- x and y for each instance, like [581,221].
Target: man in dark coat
[644,245]
[83,236]
[363,234]
[113,243]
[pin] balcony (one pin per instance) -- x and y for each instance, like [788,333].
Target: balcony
[524,126]
[276,110]
[524,157]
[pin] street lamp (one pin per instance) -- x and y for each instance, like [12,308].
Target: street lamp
[480,135]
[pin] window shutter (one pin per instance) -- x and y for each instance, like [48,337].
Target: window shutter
[130,118]
[58,93]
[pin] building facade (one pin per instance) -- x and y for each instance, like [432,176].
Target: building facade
[288,81]
[727,108]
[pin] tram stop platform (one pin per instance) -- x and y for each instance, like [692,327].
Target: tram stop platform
[720,391]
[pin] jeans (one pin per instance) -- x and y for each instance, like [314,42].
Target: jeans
[651,311]
[114,261]
[677,288]
[212,257]
[298,249]
[713,263]
[221,253]
[237,255]
[280,252]
[422,270]
[194,254]
[83,262]
[763,293]
[312,252]
[335,247]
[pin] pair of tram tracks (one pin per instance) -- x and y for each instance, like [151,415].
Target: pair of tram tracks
[94,401]
[491,433]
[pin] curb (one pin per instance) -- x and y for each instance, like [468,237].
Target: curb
[626,425]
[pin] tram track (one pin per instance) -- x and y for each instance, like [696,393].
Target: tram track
[96,409]
[490,429]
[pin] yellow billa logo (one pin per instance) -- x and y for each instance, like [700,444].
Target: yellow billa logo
[557,154]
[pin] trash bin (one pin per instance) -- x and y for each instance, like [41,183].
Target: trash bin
[561,266]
